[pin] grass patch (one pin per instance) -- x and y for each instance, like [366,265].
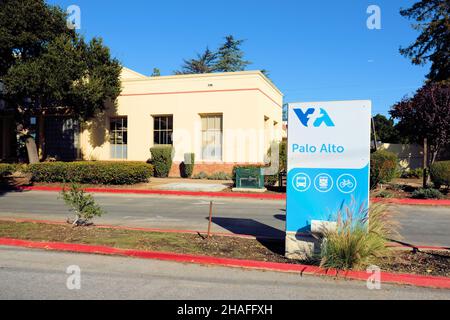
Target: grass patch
[229,247]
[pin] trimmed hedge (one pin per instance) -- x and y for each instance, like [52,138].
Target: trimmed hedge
[6,169]
[161,160]
[187,167]
[99,172]
[383,167]
[440,173]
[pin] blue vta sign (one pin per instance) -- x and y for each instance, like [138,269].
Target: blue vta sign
[315,116]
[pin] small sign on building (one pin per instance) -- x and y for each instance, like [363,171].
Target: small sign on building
[328,167]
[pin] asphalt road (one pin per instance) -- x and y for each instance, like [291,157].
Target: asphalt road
[420,225]
[37,274]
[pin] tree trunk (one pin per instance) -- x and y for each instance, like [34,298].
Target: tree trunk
[33,156]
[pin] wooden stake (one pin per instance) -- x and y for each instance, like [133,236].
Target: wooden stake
[210,220]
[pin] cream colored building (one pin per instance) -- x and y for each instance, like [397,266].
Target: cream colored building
[224,118]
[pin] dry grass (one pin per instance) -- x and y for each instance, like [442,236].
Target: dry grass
[358,241]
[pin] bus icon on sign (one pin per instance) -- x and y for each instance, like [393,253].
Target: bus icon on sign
[301,182]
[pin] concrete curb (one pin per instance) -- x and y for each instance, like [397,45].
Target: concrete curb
[239,195]
[386,277]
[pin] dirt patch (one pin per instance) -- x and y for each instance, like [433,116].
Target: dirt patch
[424,263]
[421,262]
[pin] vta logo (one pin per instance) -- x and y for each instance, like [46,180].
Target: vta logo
[316,116]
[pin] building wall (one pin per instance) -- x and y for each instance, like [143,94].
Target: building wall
[249,104]
[410,155]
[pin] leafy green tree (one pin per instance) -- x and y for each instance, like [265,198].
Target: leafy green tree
[433,43]
[204,63]
[48,68]
[156,73]
[385,129]
[230,56]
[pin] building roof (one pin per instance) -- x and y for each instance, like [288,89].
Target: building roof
[129,75]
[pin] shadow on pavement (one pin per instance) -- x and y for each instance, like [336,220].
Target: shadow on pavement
[281,217]
[270,237]
[8,185]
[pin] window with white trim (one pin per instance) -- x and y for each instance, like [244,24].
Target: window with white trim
[212,137]
[162,129]
[118,132]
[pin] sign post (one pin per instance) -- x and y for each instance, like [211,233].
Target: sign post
[328,168]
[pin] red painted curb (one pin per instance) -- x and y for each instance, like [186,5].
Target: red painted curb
[260,196]
[417,280]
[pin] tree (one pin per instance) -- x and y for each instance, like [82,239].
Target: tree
[156,73]
[205,63]
[83,204]
[385,129]
[433,43]
[230,56]
[426,115]
[47,68]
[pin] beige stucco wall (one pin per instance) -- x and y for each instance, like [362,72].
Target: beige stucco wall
[410,155]
[249,103]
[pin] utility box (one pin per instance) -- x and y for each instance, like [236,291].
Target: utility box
[249,179]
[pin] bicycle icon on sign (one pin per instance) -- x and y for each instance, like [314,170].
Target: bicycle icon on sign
[346,183]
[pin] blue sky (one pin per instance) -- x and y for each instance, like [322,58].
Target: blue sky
[313,50]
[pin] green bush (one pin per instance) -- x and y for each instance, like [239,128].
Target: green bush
[440,173]
[219,176]
[83,205]
[383,167]
[427,193]
[161,160]
[187,167]
[200,175]
[6,169]
[413,173]
[99,172]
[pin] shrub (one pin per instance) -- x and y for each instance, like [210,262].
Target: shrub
[161,160]
[187,167]
[413,173]
[428,193]
[440,173]
[383,167]
[358,241]
[102,172]
[6,169]
[219,176]
[385,194]
[83,204]
[200,175]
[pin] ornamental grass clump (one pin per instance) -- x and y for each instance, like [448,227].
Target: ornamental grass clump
[359,239]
